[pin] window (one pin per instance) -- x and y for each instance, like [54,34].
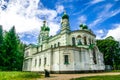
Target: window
[35,62]
[26,65]
[27,54]
[41,47]
[54,45]
[58,44]
[45,61]
[85,41]
[66,60]
[39,62]
[89,40]
[73,41]
[94,56]
[79,40]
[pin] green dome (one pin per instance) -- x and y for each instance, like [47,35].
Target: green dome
[43,28]
[65,16]
[83,26]
[47,29]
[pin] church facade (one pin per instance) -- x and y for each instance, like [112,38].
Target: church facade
[67,52]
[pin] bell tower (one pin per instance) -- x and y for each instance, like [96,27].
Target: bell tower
[65,27]
[44,33]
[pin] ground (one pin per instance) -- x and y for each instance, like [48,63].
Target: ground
[17,75]
[70,76]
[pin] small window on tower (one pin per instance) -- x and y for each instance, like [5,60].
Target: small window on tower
[66,59]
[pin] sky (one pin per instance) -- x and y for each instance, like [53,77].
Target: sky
[101,16]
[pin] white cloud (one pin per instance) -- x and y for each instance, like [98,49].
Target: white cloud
[26,16]
[115,32]
[60,8]
[89,4]
[99,34]
[100,31]
[23,14]
[95,22]
[105,14]
[82,19]
[96,1]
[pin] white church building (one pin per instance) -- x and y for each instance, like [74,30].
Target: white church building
[67,52]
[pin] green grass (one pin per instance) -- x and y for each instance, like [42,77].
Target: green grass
[113,77]
[115,71]
[14,75]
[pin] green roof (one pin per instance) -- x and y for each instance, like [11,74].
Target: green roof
[65,16]
[47,29]
[44,28]
[83,26]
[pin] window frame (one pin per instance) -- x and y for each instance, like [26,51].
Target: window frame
[66,59]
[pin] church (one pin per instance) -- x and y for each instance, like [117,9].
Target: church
[66,52]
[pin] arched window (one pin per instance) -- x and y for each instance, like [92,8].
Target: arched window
[58,44]
[94,57]
[73,41]
[45,61]
[79,40]
[54,45]
[89,40]
[85,41]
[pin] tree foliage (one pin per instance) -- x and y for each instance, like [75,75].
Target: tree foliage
[1,45]
[111,51]
[12,51]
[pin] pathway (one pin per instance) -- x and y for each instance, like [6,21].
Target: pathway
[70,76]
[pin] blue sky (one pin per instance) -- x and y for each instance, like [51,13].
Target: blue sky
[102,16]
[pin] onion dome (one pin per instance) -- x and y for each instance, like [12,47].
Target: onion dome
[82,26]
[44,27]
[65,16]
[47,29]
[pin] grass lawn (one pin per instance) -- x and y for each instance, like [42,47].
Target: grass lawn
[14,75]
[113,77]
[115,71]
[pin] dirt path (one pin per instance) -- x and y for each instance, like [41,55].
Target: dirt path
[70,76]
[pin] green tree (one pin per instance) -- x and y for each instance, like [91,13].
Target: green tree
[1,46]
[13,51]
[111,51]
